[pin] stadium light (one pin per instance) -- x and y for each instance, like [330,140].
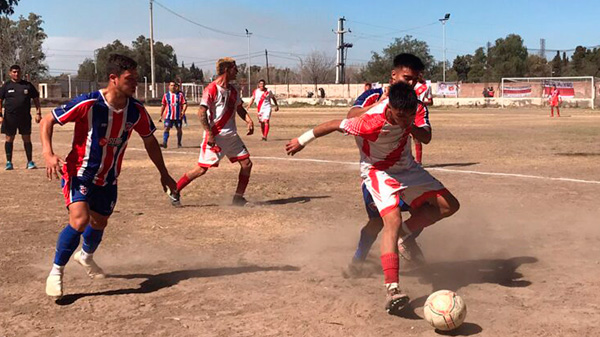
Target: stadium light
[443,21]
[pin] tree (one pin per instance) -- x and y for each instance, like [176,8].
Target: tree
[537,66]
[318,68]
[380,65]
[508,57]
[86,70]
[21,43]
[462,66]
[556,65]
[7,6]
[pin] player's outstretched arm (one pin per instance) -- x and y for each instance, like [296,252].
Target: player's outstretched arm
[53,162]
[422,134]
[297,144]
[155,154]
[246,117]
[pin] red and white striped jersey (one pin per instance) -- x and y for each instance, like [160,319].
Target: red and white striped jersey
[263,100]
[383,146]
[222,104]
[423,91]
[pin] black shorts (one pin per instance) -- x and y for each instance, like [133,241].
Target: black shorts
[10,125]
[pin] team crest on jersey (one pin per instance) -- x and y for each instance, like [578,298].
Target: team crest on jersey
[26,91]
[128,126]
[83,190]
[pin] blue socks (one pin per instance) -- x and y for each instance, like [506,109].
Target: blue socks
[68,240]
[91,239]
[165,137]
[364,245]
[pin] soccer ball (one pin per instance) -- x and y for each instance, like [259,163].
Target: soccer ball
[445,310]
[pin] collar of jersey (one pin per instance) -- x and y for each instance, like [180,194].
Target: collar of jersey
[110,107]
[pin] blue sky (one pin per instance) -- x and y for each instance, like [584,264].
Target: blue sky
[292,29]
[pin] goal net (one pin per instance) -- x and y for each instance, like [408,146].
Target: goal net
[192,91]
[577,91]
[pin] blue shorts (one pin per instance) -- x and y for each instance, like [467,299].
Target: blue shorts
[101,199]
[173,123]
[372,211]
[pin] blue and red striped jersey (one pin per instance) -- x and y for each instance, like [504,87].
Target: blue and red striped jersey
[100,136]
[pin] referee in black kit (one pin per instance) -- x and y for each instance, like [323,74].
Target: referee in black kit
[15,96]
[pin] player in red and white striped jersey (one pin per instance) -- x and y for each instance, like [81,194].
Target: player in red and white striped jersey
[221,101]
[423,92]
[263,97]
[555,101]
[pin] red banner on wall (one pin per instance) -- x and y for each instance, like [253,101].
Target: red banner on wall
[517,91]
[565,89]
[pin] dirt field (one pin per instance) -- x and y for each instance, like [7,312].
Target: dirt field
[523,251]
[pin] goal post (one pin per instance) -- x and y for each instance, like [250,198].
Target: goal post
[192,91]
[575,91]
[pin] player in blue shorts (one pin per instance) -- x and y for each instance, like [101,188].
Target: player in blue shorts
[104,121]
[173,109]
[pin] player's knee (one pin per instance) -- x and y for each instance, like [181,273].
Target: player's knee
[452,205]
[246,164]
[79,220]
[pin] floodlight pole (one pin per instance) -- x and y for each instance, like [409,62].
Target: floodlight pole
[248,34]
[443,21]
[153,78]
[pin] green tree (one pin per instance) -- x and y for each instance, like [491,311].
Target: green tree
[21,43]
[508,57]
[7,6]
[537,66]
[380,65]
[86,70]
[462,67]
[116,47]
[556,65]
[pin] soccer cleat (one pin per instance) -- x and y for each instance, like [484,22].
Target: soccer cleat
[410,251]
[31,165]
[163,145]
[174,198]
[9,166]
[54,286]
[91,268]
[239,200]
[264,139]
[396,300]
[179,146]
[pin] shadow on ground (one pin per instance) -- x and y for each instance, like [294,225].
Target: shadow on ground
[450,165]
[156,282]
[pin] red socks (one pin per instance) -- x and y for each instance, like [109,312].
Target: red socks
[265,129]
[183,182]
[242,184]
[390,265]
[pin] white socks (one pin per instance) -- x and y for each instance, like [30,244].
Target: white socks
[57,270]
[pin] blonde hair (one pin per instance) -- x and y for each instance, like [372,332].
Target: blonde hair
[223,64]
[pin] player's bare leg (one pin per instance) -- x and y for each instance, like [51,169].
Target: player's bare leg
[28,151]
[551,111]
[557,112]
[8,148]
[395,300]
[243,179]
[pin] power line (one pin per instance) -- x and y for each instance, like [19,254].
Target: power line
[196,23]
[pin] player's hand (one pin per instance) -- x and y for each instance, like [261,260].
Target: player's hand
[53,166]
[1,119]
[38,118]
[293,147]
[250,128]
[167,182]
[277,108]
[210,139]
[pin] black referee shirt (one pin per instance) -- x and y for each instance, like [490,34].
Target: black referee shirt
[16,97]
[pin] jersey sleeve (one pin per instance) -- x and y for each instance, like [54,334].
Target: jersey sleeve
[164,99]
[367,98]
[74,110]
[208,97]
[366,126]
[144,126]
[422,116]
[33,92]
[2,94]
[183,100]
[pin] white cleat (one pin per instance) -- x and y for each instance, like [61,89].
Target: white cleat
[91,268]
[54,286]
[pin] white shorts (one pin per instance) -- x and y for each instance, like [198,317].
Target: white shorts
[230,145]
[412,186]
[264,115]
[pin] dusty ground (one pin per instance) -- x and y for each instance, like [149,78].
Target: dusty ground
[523,252]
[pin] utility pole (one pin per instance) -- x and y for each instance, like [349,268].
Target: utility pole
[443,21]
[153,79]
[267,60]
[339,67]
[248,34]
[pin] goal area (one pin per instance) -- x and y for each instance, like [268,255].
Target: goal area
[579,91]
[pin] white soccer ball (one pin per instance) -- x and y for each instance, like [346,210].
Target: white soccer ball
[445,310]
